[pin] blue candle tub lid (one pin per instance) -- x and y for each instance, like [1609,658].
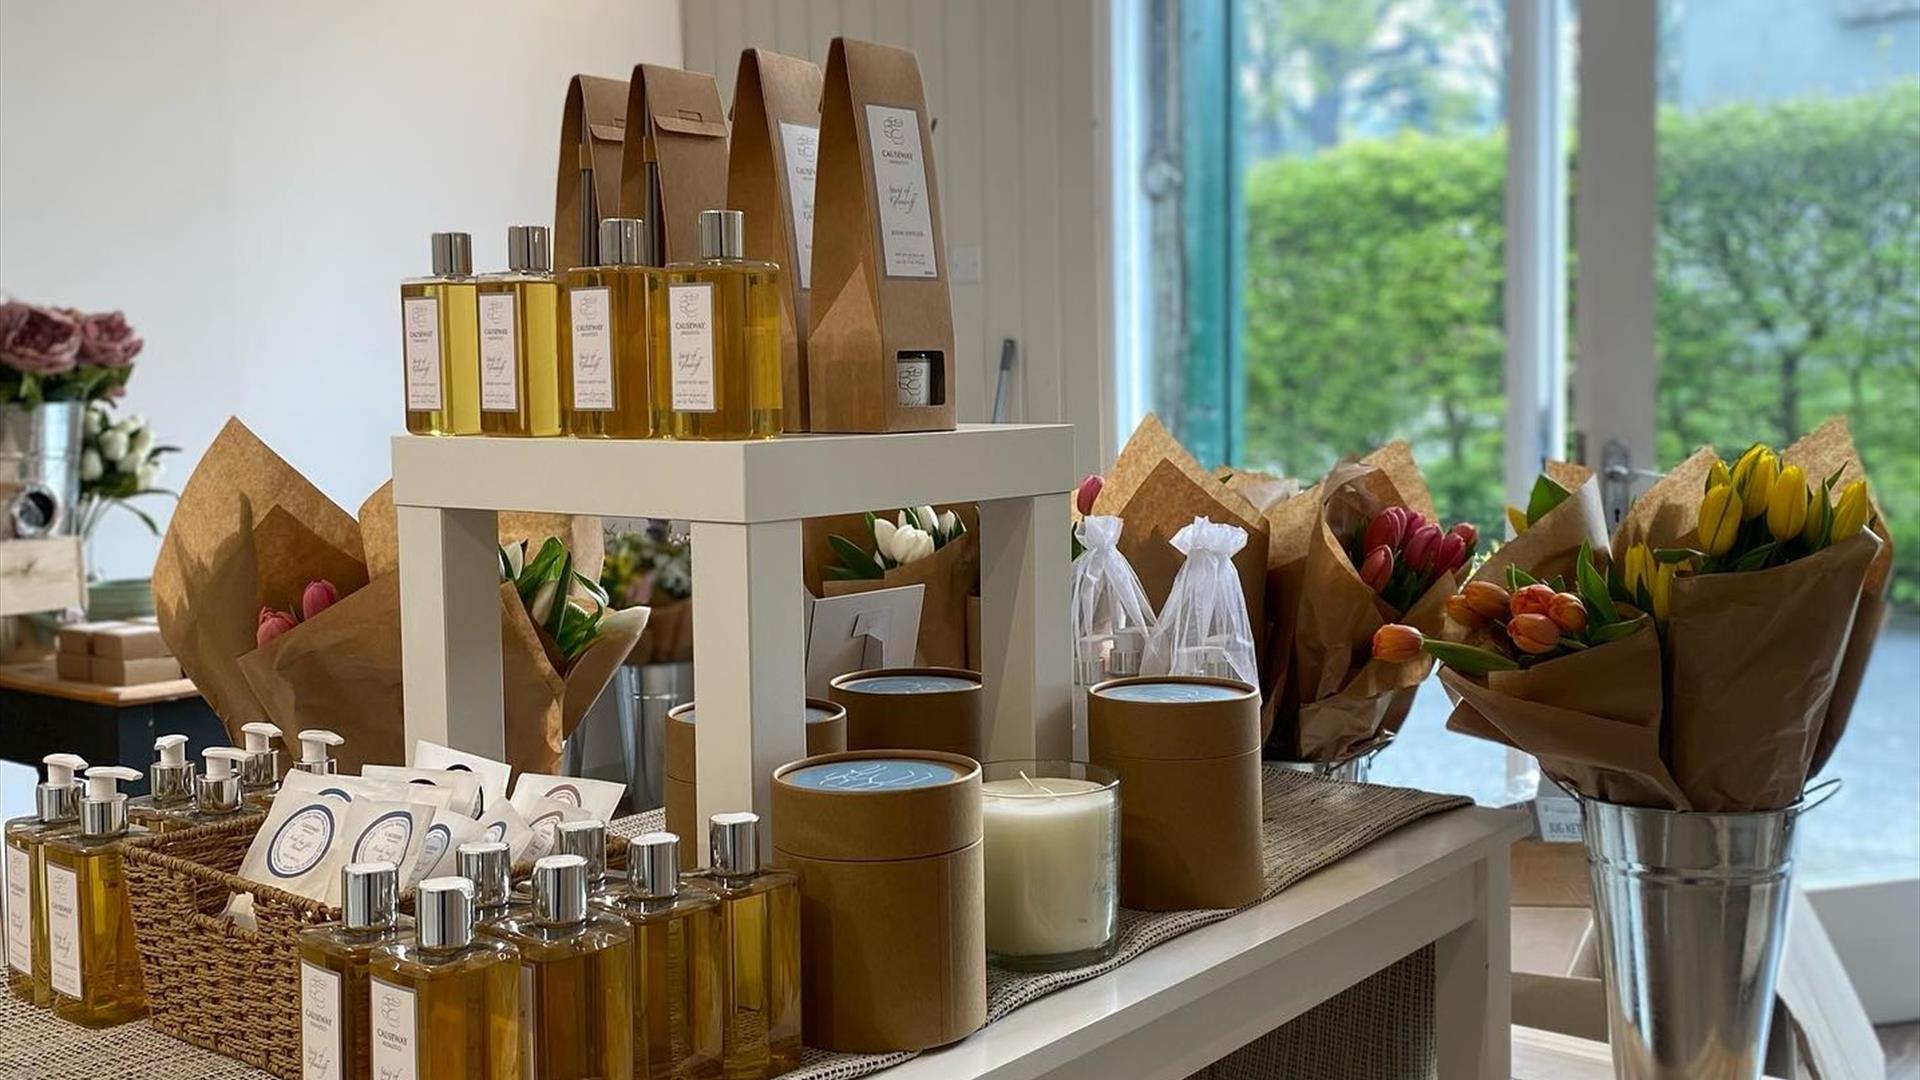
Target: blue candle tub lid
[1172,692]
[909,684]
[815,714]
[873,774]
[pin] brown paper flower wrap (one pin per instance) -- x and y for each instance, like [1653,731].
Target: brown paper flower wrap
[1741,698]
[250,531]
[951,576]
[669,635]
[1331,698]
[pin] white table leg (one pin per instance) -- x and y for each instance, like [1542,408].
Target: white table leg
[749,658]
[1027,663]
[450,628]
[1472,986]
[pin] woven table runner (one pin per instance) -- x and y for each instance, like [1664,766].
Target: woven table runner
[1309,823]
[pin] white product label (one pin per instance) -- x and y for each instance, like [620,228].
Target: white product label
[322,1054]
[690,340]
[591,312]
[420,322]
[914,382]
[63,929]
[800,145]
[19,911]
[395,1034]
[900,183]
[1558,820]
[499,354]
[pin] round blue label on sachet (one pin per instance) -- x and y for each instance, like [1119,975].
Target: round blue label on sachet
[873,774]
[910,684]
[386,839]
[300,841]
[1173,691]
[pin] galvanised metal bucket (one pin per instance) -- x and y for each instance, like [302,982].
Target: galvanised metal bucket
[39,469]
[1356,768]
[1690,912]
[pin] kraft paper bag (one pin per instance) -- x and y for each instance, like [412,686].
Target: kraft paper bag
[592,136]
[951,576]
[771,168]
[880,322]
[674,162]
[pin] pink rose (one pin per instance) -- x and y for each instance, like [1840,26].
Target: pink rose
[43,341]
[272,625]
[317,597]
[107,340]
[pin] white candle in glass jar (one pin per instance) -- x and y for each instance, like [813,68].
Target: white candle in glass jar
[1051,847]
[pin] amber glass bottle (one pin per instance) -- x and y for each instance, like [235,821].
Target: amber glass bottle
[445,1006]
[90,945]
[520,340]
[677,958]
[760,945]
[335,1027]
[576,970]
[717,342]
[56,813]
[606,372]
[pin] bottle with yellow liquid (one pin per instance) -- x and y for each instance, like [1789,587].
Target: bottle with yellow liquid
[439,335]
[335,1025]
[676,965]
[717,341]
[576,967]
[90,945]
[56,813]
[169,797]
[445,1005]
[606,377]
[520,339]
[760,947]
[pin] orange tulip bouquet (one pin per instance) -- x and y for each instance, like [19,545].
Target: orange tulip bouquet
[1705,659]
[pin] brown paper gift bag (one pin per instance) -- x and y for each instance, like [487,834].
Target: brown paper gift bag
[951,576]
[674,162]
[592,128]
[771,167]
[880,331]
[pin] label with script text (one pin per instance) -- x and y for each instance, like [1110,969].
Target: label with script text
[690,345]
[499,354]
[63,930]
[420,322]
[800,146]
[321,1052]
[900,185]
[396,1033]
[19,911]
[591,312]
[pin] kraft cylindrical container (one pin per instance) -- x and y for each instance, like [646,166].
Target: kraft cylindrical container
[826,734]
[1187,750]
[893,928]
[921,708]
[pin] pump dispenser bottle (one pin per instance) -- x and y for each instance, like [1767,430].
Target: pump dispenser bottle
[169,787]
[260,774]
[576,963]
[760,942]
[445,1005]
[489,865]
[90,945]
[217,794]
[334,1021]
[716,364]
[56,813]
[676,965]
[588,839]
[606,377]
[314,743]
[440,342]
[519,340]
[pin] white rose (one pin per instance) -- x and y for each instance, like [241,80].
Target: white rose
[113,444]
[90,467]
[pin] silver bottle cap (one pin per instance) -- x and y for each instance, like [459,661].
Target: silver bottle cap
[486,863]
[452,254]
[623,242]
[587,839]
[735,840]
[443,913]
[723,234]
[216,795]
[171,783]
[653,866]
[261,769]
[529,249]
[560,890]
[56,802]
[328,767]
[369,895]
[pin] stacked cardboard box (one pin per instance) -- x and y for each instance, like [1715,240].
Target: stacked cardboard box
[130,653]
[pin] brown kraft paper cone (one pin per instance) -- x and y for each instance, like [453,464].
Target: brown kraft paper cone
[587,189]
[1189,793]
[1550,547]
[776,144]
[1593,718]
[879,271]
[676,142]
[669,636]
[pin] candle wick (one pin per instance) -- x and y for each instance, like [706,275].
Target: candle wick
[1034,786]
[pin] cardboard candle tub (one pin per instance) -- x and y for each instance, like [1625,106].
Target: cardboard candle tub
[919,708]
[887,844]
[826,734]
[1187,751]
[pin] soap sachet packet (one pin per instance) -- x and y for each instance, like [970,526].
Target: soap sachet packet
[465,786]
[494,775]
[449,829]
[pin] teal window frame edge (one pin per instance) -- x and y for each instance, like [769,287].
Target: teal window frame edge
[1210,418]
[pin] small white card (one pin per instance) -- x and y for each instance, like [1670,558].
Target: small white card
[845,632]
[900,184]
[420,322]
[499,354]
[591,314]
[800,145]
[690,345]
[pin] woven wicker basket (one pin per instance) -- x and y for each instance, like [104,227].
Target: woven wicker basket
[234,991]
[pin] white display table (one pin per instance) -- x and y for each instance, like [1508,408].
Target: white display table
[745,501]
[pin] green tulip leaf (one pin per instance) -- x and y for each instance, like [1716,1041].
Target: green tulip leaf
[1615,631]
[1468,659]
[1677,555]
[1758,557]
[854,559]
[1594,591]
[1518,579]
[1545,496]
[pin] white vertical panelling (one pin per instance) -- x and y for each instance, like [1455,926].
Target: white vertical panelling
[1018,92]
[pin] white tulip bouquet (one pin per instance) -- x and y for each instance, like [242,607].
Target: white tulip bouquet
[914,535]
[119,461]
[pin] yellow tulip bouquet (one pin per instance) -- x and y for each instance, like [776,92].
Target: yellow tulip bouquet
[1707,658]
